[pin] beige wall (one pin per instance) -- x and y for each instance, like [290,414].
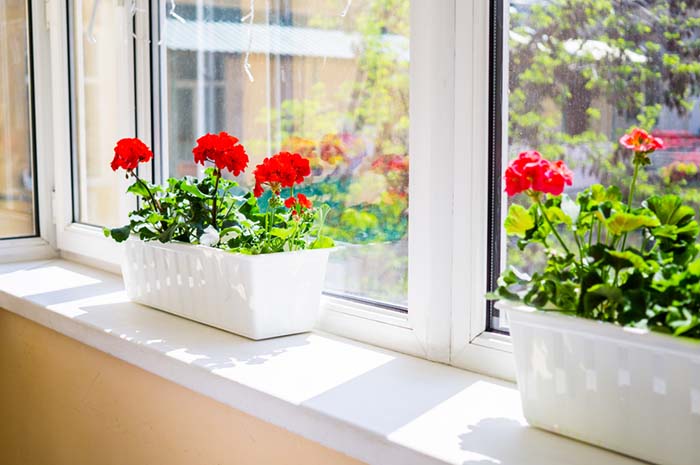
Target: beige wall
[63,403]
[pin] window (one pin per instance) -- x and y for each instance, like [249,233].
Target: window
[17,179]
[339,82]
[102,107]
[326,79]
[579,73]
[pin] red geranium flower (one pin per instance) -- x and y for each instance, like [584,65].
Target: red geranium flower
[641,141]
[223,150]
[531,171]
[281,170]
[553,179]
[129,152]
[300,200]
[386,163]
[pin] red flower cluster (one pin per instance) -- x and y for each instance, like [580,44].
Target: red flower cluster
[223,150]
[332,149]
[301,200]
[387,163]
[641,141]
[128,153]
[531,171]
[281,170]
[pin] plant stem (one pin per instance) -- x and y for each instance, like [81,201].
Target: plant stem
[154,202]
[632,186]
[630,198]
[214,204]
[580,249]
[551,226]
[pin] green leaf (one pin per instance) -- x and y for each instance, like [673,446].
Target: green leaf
[667,231]
[602,194]
[154,218]
[557,216]
[694,268]
[139,189]
[282,233]
[599,294]
[322,242]
[119,234]
[669,209]
[621,223]
[518,221]
[629,259]
[192,189]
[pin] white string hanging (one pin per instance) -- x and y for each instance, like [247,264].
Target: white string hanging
[250,17]
[133,10]
[346,9]
[171,12]
[90,33]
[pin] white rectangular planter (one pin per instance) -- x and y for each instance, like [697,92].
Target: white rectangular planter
[257,296]
[627,390]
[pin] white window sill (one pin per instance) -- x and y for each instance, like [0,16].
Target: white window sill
[378,406]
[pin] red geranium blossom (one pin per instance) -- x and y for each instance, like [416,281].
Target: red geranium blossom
[641,141]
[129,152]
[300,200]
[223,150]
[531,171]
[386,163]
[279,171]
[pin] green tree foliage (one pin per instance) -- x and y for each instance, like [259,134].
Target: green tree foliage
[581,72]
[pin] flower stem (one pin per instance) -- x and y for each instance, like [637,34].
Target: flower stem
[214,200]
[154,202]
[633,185]
[630,198]
[551,226]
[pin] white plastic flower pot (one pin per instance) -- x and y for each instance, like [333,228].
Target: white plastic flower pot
[627,390]
[256,296]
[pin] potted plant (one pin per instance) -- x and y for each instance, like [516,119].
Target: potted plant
[606,334]
[204,248]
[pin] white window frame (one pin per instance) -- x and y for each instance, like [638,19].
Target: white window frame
[43,245]
[474,347]
[77,241]
[449,109]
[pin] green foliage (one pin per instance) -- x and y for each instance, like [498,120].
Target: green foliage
[652,282]
[183,211]
[582,71]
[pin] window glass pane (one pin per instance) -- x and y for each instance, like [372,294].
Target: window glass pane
[103,108]
[325,78]
[16,170]
[582,72]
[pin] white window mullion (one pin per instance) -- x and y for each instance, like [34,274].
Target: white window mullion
[432,147]
[472,347]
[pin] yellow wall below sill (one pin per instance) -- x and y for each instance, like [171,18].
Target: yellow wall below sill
[64,403]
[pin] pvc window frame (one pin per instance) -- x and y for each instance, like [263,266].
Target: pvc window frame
[41,245]
[449,140]
[75,240]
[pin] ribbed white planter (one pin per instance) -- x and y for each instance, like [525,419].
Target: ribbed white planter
[627,390]
[257,296]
